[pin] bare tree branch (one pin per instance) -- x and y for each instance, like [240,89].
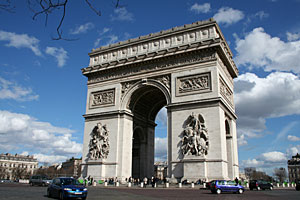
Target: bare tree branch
[7,6]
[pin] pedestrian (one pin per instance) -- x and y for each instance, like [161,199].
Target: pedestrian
[236,181]
[145,182]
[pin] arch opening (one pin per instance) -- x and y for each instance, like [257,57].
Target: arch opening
[144,104]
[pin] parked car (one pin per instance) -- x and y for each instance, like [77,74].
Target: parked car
[39,180]
[260,185]
[298,184]
[220,186]
[64,187]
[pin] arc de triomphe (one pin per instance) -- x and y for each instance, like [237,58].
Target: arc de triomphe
[187,69]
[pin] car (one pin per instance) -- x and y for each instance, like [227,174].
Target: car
[65,187]
[220,186]
[298,185]
[260,185]
[40,180]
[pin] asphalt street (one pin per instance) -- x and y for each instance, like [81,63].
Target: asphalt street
[14,191]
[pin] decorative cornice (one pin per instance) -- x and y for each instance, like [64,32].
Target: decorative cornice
[153,65]
[186,38]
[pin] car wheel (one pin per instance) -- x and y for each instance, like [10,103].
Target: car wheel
[61,196]
[48,193]
[240,191]
[258,188]
[271,188]
[218,191]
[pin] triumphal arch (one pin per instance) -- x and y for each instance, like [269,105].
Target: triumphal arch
[187,69]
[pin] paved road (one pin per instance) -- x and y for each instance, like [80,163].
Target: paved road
[23,191]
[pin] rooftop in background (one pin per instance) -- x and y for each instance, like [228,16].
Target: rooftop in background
[9,156]
[295,160]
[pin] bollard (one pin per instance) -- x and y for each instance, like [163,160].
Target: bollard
[288,184]
[293,185]
[283,185]
[155,185]
[247,185]
[193,184]
[277,184]
[180,185]
[204,185]
[117,184]
[105,184]
[129,184]
[94,183]
[142,184]
[167,185]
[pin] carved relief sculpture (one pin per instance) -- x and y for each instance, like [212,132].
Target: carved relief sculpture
[226,92]
[191,84]
[99,142]
[195,136]
[101,98]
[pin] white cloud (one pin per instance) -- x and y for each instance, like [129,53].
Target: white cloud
[23,132]
[21,41]
[266,161]
[293,138]
[242,140]
[49,159]
[161,145]
[121,14]
[197,8]
[82,28]
[11,90]
[292,151]
[162,117]
[260,98]
[292,36]
[228,16]
[259,49]
[59,53]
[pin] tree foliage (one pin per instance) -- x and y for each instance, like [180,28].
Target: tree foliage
[280,174]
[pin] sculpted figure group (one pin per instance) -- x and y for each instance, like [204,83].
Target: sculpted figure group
[99,142]
[195,136]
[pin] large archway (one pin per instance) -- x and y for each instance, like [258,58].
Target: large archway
[145,102]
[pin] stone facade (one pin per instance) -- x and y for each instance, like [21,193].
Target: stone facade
[294,168]
[72,167]
[187,69]
[17,166]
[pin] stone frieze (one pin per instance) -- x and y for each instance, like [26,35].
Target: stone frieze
[193,84]
[226,91]
[153,66]
[102,98]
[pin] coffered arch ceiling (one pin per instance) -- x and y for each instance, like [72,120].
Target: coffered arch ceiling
[146,102]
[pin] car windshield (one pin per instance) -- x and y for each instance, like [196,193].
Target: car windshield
[70,181]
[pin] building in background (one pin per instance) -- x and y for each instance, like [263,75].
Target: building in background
[72,167]
[294,168]
[17,166]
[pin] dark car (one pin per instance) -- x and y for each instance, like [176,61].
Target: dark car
[220,186]
[39,180]
[260,185]
[63,188]
[298,185]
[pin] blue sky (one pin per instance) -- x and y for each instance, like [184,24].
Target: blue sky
[43,93]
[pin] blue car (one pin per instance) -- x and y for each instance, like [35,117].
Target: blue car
[220,186]
[64,188]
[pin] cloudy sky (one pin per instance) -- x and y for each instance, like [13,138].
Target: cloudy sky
[43,93]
